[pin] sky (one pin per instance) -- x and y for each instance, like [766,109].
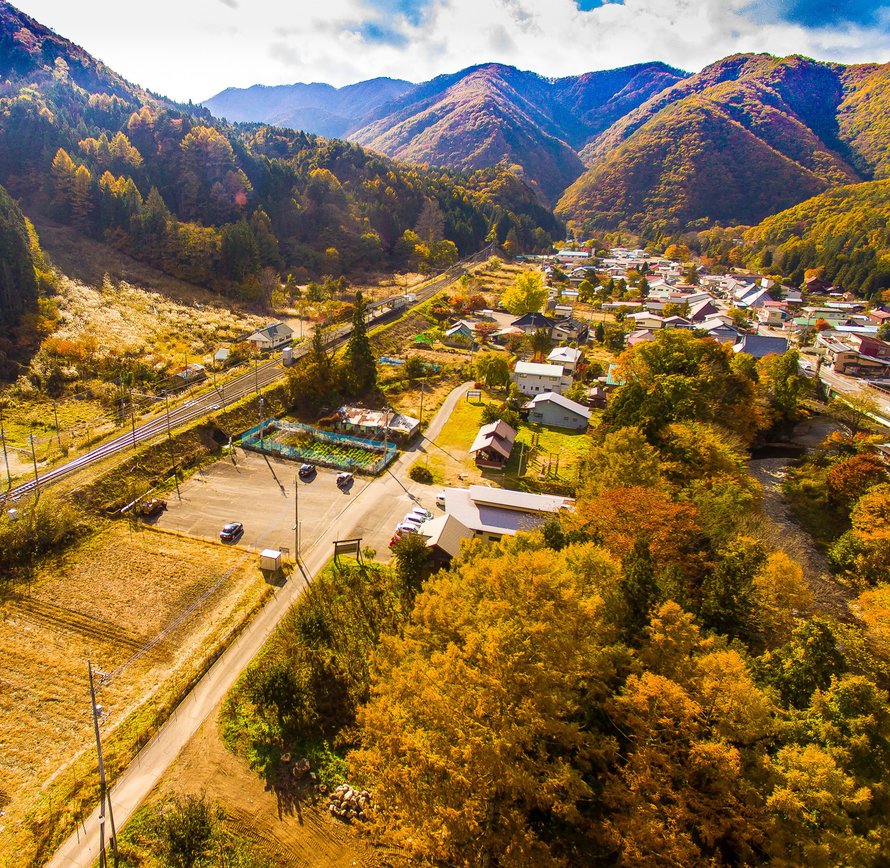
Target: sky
[192,49]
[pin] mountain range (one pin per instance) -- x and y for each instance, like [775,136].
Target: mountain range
[647,148]
[469,120]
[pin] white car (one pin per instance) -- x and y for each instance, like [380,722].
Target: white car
[407,527]
[440,499]
[421,513]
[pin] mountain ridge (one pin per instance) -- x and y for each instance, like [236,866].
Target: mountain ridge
[493,113]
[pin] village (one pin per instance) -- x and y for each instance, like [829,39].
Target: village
[505,454]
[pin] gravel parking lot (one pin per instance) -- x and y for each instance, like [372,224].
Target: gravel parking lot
[259,492]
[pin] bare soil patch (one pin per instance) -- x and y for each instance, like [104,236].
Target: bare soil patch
[296,832]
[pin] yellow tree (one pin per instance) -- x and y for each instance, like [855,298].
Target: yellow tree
[781,596]
[475,720]
[527,295]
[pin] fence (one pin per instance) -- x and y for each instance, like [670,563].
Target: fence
[325,448]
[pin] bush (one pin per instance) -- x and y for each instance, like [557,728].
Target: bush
[419,473]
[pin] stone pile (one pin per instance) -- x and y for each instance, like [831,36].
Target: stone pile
[349,804]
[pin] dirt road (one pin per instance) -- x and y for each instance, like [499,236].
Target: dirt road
[128,792]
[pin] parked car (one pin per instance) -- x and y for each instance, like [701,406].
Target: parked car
[345,479]
[307,471]
[440,500]
[231,531]
[407,527]
[421,513]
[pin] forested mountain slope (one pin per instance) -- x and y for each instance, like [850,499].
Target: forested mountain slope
[746,137]
[475,118]
[18,286]
[843,232]
[219,204]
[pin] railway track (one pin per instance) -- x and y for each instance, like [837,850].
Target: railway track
[259,377]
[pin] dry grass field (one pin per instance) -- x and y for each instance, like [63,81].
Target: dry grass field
[148,608]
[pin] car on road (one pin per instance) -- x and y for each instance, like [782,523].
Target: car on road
[307,471]
[231,531]
[345,479]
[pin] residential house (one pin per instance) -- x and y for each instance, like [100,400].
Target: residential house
[492,513]
[570,330]
[460,334]
[532,322]
[377,424]
[645,320]
[443,536]
[640,336]
[191,373]
[221,357]
[568,357]
[534,379]
[493,445]
[557,411]
[772,314]
[701,310]
[676,322]
[274,335]
[879,316]
[761,345]
[717,329]
[754,299]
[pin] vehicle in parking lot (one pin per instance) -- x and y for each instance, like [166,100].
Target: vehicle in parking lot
[414,520]
[421,513]
[307,470]
[345,479]
[440,499]
[231,531]
[407,527]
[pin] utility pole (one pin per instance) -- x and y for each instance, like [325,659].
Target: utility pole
[132,418]
[421,404]
[104,796]
[262,423]
[296,519]
[56,415]
[34,459]
[170,444]
[5,454]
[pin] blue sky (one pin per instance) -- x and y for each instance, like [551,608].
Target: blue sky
[191,49]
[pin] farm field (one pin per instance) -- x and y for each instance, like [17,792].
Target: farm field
[327,454]
[147,608]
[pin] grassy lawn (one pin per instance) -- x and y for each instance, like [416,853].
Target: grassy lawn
[451,464]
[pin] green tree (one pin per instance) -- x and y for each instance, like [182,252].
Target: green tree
[360,361]
[806,663]
[527,295]
[785,385]
[413,566]
[541,342]
[492,369]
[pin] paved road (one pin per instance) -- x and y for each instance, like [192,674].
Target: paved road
[128,792]
[256,378]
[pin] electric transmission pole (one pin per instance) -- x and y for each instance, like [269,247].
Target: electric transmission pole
[105,798]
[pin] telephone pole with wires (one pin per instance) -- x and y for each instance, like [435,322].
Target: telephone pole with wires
[105,797]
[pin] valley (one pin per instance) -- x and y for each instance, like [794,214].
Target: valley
[491,469]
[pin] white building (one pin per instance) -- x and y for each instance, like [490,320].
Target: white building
[568,357]
[274,335]
[533,378]
[491,513]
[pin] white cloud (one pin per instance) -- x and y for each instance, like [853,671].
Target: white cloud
[194,49]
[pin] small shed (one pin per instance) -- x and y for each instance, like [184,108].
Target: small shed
[270,560]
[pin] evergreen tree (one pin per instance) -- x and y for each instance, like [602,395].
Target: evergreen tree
[360,363]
